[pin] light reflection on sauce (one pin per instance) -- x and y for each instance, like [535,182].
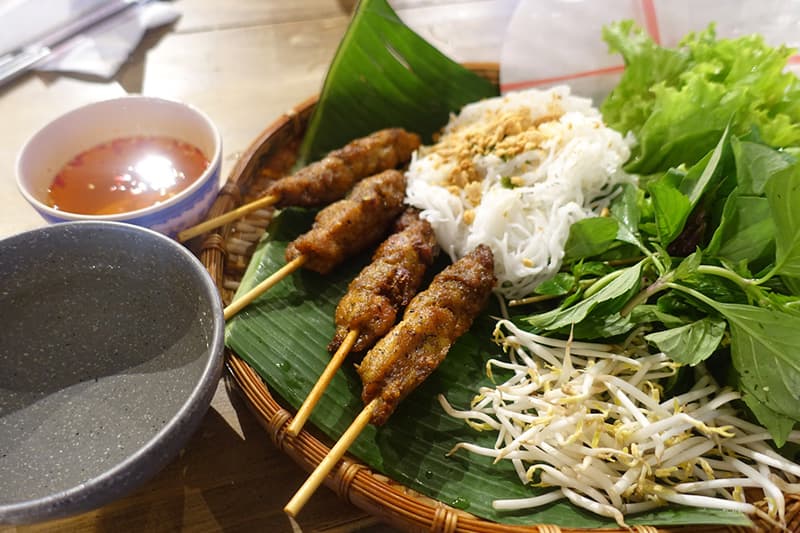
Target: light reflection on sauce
[126,174]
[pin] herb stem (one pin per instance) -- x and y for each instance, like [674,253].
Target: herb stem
[602,282]
[544,297]
[727,274]
[691,292]
[657,286]
[749,286]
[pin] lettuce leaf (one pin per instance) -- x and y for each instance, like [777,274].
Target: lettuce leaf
[677,102]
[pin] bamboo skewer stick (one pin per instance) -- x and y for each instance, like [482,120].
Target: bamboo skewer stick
[230,216]
[316,478]
[242,302]
[322,383]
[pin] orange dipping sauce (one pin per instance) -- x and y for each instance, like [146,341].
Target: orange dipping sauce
[126,174]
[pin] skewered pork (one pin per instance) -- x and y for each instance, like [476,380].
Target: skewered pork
[351,225]
[329,179]
[432,322]
[384,287]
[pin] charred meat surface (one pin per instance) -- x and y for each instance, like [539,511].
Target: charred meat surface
[432,322]
[349,226]
[383,288]
[329,179]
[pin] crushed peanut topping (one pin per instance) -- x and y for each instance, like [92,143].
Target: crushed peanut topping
[473,193]
[469,216]
[503,133]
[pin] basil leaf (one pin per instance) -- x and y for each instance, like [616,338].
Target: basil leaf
[676,304]
[609,299]
[755,164]
[688,266]
[671,208]
[779,426]
[561,283]
[625,209]
[600,327]
[783,193]
[701,175]
[590,237]
[647,313]
[692,343]
[746,231]
[715,287]
[591,268]
[765,350]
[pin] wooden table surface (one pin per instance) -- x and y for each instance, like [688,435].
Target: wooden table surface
[244,62]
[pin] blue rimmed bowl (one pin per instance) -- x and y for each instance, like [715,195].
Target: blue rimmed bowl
[110,352]
[55,144]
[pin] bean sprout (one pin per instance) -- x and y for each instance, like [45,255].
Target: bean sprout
[590,423]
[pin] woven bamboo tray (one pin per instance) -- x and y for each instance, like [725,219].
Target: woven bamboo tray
[226,254]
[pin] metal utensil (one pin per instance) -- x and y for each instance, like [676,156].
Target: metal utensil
[15,63]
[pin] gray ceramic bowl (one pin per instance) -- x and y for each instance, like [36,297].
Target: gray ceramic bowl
[111,341]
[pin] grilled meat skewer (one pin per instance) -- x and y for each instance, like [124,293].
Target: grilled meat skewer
[374,299]
[328,179]
[406,356]
[432,322]
[383,288]
[341,230]
[349,226]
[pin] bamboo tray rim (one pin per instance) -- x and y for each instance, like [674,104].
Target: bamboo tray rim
[353,481]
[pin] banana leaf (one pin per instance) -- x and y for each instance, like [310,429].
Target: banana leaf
[385,75]
[283,335]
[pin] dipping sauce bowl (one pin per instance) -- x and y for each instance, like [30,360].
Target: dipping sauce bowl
[46,154]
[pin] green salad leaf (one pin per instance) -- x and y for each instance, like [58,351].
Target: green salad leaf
[677,102]
[611,294]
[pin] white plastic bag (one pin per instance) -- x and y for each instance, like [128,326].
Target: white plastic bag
[549,42]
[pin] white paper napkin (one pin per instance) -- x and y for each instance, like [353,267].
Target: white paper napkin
[99,51]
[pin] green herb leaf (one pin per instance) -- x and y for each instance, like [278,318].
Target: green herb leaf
[691,343]
[625,208]
[561,283]
[698,179]
[649,313]
[756,164]
[688,266]
[385,75]
[600,327]
[590,237]
[609,299]
[779,426]
[671,208]
[746,231]
[583,269]
[716,287]
[783,193]
[765,350]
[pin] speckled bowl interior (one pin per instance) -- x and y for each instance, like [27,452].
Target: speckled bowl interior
[111,342]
